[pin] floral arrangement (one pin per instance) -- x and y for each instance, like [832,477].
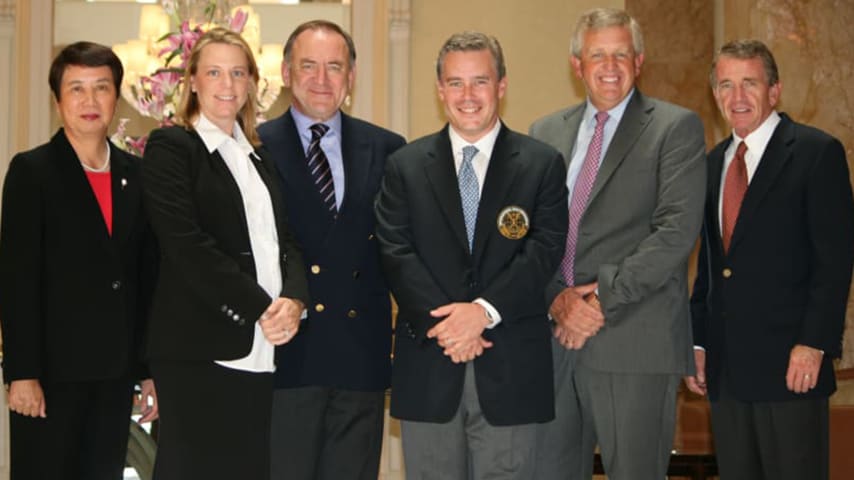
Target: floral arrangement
[156,95]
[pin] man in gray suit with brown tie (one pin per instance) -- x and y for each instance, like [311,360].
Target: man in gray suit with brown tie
[622,329]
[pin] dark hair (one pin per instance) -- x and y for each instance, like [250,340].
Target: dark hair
[472,42]
[320,25]
[85,54]
[746,50]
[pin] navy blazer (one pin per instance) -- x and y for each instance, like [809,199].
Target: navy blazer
[346,340]
[785,278]
[426,256]
[72,297]
[207,298]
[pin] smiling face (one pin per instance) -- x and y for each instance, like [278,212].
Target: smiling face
[470,89]
[319,73]
[608,65]
[87,100]
[742,93]
[221,83]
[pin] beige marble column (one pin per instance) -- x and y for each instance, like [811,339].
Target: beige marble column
[811,42]
[679,39]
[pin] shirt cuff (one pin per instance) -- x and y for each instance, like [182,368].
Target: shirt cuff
[697,347]
[491,313]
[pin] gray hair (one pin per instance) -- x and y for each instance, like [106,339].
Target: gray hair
[599,18]
[469,41]
[746,50]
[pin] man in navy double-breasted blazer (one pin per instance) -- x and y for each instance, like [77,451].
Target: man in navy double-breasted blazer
[331,379]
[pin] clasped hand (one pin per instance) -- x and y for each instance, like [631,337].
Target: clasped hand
[460,333]
[577,315]
[280,322]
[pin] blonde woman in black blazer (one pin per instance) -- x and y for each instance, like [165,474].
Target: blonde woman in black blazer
[232,282]
[76,267]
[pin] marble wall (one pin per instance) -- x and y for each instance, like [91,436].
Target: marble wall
[679,43]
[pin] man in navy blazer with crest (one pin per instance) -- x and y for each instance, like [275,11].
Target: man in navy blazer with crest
[331,379]
[773,277]
[472,222]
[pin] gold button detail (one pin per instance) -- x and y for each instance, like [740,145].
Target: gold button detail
[315,269]
[319,308]
[727,273]
[351,314]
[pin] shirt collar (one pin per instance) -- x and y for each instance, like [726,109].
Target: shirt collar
[615,113]
[214,137]
[304,123]
[758,139]
[484,144]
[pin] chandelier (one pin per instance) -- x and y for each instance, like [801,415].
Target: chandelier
[154,62]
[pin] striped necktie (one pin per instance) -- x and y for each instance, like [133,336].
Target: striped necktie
[318,165]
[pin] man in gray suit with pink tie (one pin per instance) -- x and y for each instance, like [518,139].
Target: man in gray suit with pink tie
[622,328]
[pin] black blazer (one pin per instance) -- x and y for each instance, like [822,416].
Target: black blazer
[72,296]
[425,255]
[343,261]
[207,298]
[785,278]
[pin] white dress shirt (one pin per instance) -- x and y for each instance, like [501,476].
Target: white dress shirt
[261,222]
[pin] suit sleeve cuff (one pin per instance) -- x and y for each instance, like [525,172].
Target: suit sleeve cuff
[491,313]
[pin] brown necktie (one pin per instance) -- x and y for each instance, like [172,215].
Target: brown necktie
[735,185]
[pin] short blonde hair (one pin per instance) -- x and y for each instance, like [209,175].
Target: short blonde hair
[188,106]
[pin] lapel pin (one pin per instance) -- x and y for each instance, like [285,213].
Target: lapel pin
[124,183]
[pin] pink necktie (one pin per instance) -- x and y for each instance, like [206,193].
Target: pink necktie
[580,195]
[735,185]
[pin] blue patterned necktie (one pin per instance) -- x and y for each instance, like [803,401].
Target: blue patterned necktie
[318,165]
[469,191]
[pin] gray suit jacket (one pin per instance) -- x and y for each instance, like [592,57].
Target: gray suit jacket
[641,223]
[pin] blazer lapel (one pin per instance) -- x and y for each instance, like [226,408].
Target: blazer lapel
[496,186]
[126,195]
[353,147]
[218,165]
[79,189]
[634,121]
[440,173]
[777,154]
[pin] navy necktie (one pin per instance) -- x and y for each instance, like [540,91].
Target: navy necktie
[318,165]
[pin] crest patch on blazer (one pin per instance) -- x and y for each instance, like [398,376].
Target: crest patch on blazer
[513,222]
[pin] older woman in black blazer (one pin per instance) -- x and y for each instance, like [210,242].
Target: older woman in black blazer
[232,282]
[76,268]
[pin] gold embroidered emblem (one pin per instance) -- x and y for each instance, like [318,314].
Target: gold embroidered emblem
[513,222]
